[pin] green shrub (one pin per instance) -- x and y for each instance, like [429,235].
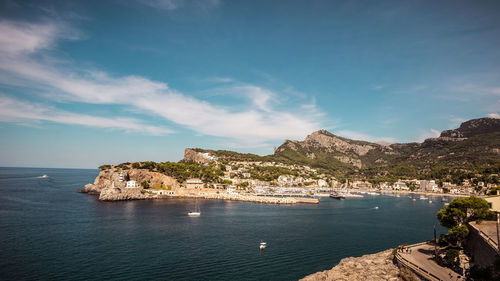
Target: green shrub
[104,167]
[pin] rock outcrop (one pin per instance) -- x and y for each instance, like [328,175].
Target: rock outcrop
[330,142]
[374,267]
[191,155]
[473,127]
[110,184]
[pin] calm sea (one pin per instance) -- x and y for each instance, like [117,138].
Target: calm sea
[49,231]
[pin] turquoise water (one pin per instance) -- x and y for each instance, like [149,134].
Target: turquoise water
[49,231]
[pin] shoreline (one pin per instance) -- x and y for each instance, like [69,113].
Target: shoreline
[424,193]
[137,195]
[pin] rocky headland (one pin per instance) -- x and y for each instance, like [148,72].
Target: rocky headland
[378,266]
[110,184]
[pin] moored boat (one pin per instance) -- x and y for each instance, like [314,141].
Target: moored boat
[337,196]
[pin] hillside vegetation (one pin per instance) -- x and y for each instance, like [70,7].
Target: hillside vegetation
[472,150]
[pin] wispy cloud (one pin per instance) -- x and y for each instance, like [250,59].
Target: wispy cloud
[23,112]
[360,136]
[170,5]
[22,37]
[426,134]
[260,120]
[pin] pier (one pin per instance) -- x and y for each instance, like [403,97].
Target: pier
[257,199]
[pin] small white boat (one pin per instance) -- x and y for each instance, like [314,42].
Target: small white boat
[423,198]
[196,212]
[414,199]
[262,245]
[376,207]
[430,201]
[44,176]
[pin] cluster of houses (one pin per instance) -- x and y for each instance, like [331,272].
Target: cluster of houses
[422,185]
[238,175]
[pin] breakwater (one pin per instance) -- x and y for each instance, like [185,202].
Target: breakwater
[258,199]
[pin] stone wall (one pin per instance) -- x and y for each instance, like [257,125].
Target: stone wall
[483,254]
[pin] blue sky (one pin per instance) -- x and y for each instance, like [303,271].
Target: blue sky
[89,82]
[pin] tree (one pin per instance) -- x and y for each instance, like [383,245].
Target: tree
[457,234]
[104,167]
[136,165]
[459,212]
[451,256]
[243,184]
[145,184]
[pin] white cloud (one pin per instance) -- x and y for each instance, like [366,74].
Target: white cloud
[494,115]
[21,37]
[476,89]
[431,133]
[436,133]
[171,5]
[18,111]
[360,136]
[259,121]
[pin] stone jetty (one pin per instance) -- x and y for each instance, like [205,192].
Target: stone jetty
[258,199]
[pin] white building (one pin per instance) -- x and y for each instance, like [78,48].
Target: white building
[161,192]
[428,185]
[322,183]
[194,183]
[121,177]
[400,186]
[131,184]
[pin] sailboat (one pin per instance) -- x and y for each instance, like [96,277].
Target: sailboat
[196,212]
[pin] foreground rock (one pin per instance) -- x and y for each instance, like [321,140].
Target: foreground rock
[374,267]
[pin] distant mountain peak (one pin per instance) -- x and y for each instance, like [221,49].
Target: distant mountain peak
[473,127]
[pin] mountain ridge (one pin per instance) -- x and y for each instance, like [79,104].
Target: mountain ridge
[472,146]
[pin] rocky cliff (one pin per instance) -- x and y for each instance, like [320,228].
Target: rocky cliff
[374,267]
[473,127]
[110,184]
[191,155]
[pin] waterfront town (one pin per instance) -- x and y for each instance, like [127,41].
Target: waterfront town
[206,176]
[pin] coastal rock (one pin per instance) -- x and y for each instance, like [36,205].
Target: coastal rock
[91,188]
[117,194]
[111,186]
[374,267]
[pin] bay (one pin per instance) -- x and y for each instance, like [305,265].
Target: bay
[49,231]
